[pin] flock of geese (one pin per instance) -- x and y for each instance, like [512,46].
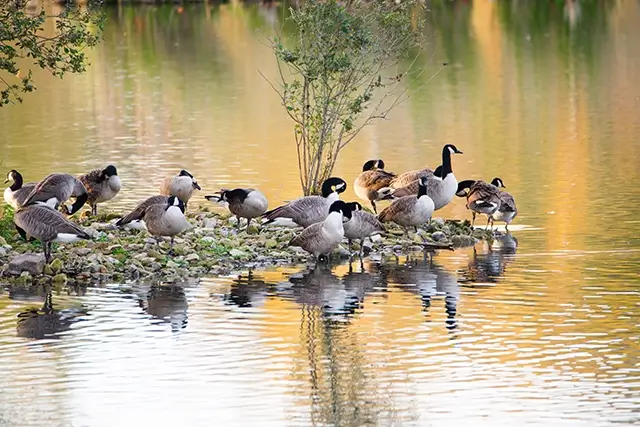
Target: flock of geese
[41,212]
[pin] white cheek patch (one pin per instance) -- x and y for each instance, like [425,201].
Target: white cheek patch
[451,150]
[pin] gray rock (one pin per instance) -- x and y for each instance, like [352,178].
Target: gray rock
[236,253]
[208,239]
[33,263]
[438,235]
[3,251]
[437,221]
[192,257]
[172,264]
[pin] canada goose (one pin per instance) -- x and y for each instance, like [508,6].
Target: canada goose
[322,237]
[182,186]
[16,194]
[410,211]
[166,219]
[243,202]
[167,303]
[361,225]
[442,182]
[102,185]
[482,198]
[310,209]
[57,188]
[46,224]
[506,212]
[373,183]
[133,220]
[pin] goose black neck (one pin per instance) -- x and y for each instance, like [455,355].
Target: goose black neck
[327,189]
[422,190]
[446,162]
[17,181]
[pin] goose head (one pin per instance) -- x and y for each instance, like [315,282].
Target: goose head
[380,164]
[11,176]
[464,187]
[422,186]
[333,184]
[109,171]
[369,165]
[193,180]
[498,182]
[343,208]
[451,149]
[354,206]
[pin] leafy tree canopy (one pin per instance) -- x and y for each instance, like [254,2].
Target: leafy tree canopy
[43,34]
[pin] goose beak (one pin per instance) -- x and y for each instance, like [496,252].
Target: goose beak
[196,186]
[6,181]
[458,151]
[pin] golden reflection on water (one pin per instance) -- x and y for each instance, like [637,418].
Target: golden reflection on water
[545,332]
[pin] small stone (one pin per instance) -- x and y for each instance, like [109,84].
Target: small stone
[270,244]
[417,238]
[33,263]
[253,229]
[48,270]
[3,251]
[2,241]
[208,239]
[236,253]
[438,235]
[376,238]
[210,223]
[192,257]
[56,265]
[60,278]
[82,251]
[437,221]
[456,241]
[172,264]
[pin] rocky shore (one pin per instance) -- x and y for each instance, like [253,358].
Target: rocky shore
[212,247]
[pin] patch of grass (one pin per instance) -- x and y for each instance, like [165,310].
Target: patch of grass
[7,228]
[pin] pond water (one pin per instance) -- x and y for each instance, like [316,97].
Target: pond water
[538,328]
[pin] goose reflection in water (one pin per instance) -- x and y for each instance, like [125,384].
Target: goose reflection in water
[429,280]
[338,298]
[247,291]
[165,302]
[47,322]
[490,264]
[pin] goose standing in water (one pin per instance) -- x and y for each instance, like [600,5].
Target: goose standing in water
[506,212]
[373,183]
[410,211]
[102,185]
[361,225]
[482,198]
[442,184]
[182,186]
[321,238]
[309,209]
[166,219]
[17,193]
[243,202]
[46,224]
[57,188]
[133,220]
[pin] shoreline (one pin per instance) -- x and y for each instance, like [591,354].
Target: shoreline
[212,247]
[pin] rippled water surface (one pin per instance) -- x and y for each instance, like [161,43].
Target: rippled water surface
[540,327]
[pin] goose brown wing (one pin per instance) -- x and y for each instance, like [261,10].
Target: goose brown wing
[399,206]
[507,203]
[139,211]
[45,223]
[297,208]
[410,177]
[308,237]
[92,182]
[53,185]
[483,193]
[376,179]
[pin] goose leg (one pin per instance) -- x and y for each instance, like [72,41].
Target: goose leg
[373,205]
[47,252]
[171,247]
[506,227]
[94,210]
[350,250]
[248,222]
[473,218]
[361,248]
[488,221]
[238,225]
